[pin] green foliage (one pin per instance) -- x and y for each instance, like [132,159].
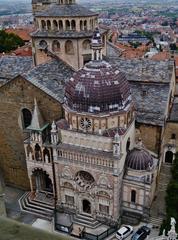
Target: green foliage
[146,34]
[135,44]
[173,47]
[9,41]
[172,198]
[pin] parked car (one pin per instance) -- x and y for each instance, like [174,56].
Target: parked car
[124,232]
[141,233]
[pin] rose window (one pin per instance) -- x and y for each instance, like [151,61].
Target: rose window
[85,123]
[85,180]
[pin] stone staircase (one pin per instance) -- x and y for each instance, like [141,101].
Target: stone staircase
[85,220]
[158,208]
[43,209]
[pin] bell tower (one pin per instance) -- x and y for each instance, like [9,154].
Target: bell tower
[38,5]
[64,32]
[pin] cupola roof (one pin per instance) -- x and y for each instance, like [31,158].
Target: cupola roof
[139,159]
[98,87]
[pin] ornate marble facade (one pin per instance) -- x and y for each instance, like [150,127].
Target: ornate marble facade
[89,160]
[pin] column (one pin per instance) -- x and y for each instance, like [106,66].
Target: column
[31,184]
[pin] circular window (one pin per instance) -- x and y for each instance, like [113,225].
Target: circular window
[85,180]
[85,123]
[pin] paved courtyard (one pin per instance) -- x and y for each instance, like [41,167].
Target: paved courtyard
[13,211]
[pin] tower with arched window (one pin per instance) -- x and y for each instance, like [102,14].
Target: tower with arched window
[38,154]
[66,29]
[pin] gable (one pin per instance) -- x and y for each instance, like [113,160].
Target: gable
[20,88]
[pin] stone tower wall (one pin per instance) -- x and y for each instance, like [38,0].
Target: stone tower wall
[15,96]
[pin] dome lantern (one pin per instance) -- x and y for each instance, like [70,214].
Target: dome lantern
[96,46]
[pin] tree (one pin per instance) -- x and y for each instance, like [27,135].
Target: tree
[165,23]
[173,47]
[172,198]
[9,41]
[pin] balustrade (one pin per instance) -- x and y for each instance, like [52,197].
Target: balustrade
[90,160]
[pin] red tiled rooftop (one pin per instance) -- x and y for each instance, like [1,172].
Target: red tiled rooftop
[23,51]
[161,56]
[23,33]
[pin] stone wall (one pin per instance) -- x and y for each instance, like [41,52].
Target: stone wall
[71,51]
[15,96]
[171,128]
[150,135]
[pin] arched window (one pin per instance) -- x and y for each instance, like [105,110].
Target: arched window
[73,25]
[29,151]
[37,152]
[26,117]
[103,40]
[56,46]
[81,25]
[173,136]
[60,25]
[133,196]
[67,25]
[69,48]
[96,22]
[46,155]
[55,25]
[91,24]
[43,25]
[128,145]
[85,25]
[48,25]
[43,44]
[86,44]
[169,157]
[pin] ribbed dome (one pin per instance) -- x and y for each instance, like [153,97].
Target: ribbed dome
[98,87]
[139,159]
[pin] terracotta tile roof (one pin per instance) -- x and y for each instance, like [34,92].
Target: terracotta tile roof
[161,56]
[23,51]
[129,52]
[23,33]
[133,53]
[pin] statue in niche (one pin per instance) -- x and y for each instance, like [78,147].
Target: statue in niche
[46,158]
[30,156]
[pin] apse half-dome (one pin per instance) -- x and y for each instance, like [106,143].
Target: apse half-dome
[98,87]
[139,159]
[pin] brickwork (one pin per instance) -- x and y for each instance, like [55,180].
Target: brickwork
[15,96]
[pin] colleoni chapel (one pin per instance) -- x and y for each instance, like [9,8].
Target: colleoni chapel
[83,130]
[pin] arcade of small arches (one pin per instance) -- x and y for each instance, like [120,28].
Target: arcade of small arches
[68,46]
[66,2]
[86,158]
[38,154]
[88,24]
